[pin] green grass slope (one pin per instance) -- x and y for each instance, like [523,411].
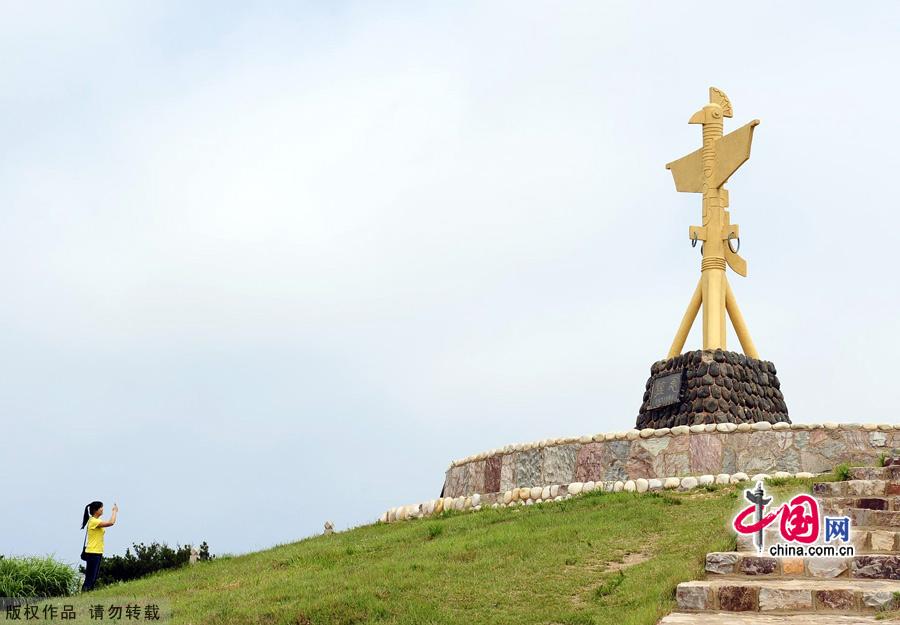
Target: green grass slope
[594,559]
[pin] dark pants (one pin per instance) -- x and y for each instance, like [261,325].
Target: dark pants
[91,570]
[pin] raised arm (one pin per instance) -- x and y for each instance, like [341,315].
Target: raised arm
[112,517]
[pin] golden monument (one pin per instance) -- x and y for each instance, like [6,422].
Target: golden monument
[713,385]
[706,171]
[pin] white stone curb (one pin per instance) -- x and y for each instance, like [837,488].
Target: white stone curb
[527,496]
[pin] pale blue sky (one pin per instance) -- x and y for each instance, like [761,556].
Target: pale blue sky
[269,265]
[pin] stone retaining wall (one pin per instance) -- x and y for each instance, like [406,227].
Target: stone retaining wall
[723,448]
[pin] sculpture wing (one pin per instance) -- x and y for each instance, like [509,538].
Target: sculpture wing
[736,262]
[688,172]
[732,151]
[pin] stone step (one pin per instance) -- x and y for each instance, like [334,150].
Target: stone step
[859,538]
[749,618]
[874,518]
[869,566]
[787,595]
[864,539]
[875,539]
[832,505]
[856,488]
[875,473]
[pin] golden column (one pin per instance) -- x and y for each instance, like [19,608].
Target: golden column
[706,171]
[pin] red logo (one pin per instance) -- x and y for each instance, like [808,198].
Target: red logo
[799,520]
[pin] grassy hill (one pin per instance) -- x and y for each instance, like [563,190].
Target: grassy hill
[594,559]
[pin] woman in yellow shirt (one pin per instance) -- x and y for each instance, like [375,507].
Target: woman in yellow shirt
[93,542]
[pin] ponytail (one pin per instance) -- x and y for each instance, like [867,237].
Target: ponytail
[89,511]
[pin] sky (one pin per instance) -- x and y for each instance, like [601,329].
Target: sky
[265,265]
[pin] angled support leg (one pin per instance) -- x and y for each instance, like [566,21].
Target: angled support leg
[687,321]
[740,326]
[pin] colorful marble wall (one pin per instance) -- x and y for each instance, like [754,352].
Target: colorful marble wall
[711,449]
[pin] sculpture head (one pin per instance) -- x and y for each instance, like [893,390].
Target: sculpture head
[719,106]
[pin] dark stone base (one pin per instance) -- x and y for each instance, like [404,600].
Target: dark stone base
[716,387]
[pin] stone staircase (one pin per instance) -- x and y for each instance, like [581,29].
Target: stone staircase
[744,587]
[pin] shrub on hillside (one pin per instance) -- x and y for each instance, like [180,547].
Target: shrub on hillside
[21,578]
[146,559]
[204,552]
[842,472]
